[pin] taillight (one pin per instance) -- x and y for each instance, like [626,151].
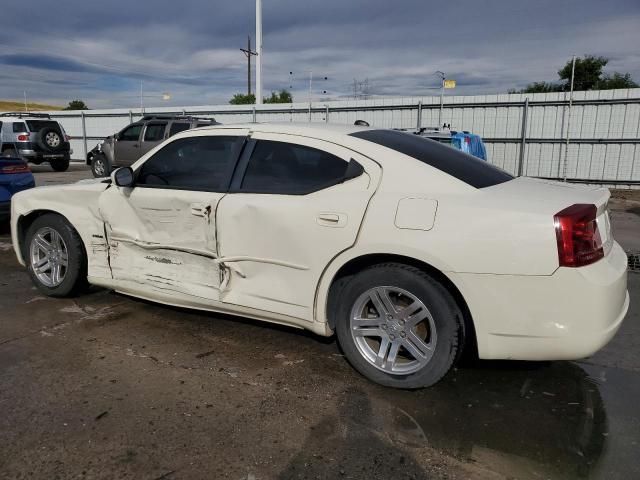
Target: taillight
[14,169]
[579,241]
[67,137]
[23,138]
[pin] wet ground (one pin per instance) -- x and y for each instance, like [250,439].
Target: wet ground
[106,386]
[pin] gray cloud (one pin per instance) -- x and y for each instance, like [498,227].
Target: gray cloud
[190,48]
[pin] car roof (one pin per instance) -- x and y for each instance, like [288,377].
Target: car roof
[304,129]
[19,116]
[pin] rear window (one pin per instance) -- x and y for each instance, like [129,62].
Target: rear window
[177,128]
[37,125]
[464,167]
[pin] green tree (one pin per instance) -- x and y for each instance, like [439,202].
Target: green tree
[243,99]
[540,87]
[588,76]
[76,105]
[616,80]
[283,96]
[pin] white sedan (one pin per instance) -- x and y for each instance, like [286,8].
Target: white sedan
[410,251]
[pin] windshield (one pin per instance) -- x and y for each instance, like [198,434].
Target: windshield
[462,166]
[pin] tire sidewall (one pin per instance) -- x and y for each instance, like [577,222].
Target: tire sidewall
[436,299]
[42,141]
[76,269]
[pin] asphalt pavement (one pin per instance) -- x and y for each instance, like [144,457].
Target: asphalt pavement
[107,386]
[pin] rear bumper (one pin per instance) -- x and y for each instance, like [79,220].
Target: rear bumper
[31,151]
[565,316]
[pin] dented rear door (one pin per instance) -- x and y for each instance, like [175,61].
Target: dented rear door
[286,217]
[162,232]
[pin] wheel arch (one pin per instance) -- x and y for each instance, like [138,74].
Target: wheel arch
[26,220]
[363,261]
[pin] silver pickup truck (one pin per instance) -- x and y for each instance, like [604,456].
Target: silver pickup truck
[129,144]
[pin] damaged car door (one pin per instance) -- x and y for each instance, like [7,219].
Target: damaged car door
[161,232]
[294,204]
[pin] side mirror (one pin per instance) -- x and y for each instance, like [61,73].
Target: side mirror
[123,177]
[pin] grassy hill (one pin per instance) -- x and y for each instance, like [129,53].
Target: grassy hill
[13,106]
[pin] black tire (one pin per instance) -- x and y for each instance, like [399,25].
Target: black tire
[100,166]
[10,152]
[446,316]
[55,144]
[60,164]
[75,276]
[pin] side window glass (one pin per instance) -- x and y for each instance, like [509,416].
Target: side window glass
[285,168]
[177,127]
[19,127]
[154,132]
[131,134]
[194,163]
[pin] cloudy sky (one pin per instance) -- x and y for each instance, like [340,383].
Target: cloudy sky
[100,51]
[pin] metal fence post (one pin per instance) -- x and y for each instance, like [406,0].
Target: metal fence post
[419,121]
[523,135]
[326,113]
[84,133]
[254,114]
[130,117]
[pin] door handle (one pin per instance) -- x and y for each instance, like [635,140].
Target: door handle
[330,219]
[200,209]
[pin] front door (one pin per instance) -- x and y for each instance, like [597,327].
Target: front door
[290,211]
[162,232]
[127,146]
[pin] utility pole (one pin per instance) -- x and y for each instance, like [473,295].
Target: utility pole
[248,53]
[442,77]
[259,52]
[566,148]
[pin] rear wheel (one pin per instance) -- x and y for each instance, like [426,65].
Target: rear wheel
[100,166]
[55,256]
[60,164]
[398,326]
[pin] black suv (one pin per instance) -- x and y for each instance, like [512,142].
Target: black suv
[35,138]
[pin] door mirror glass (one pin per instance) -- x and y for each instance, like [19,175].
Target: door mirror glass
[123,177]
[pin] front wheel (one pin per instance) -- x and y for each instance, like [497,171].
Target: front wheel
[60,164]
[398,326]
[100,166]
[55,256]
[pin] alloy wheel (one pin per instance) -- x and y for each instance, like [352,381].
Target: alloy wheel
[393,330]
[49,257]
[52,139]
